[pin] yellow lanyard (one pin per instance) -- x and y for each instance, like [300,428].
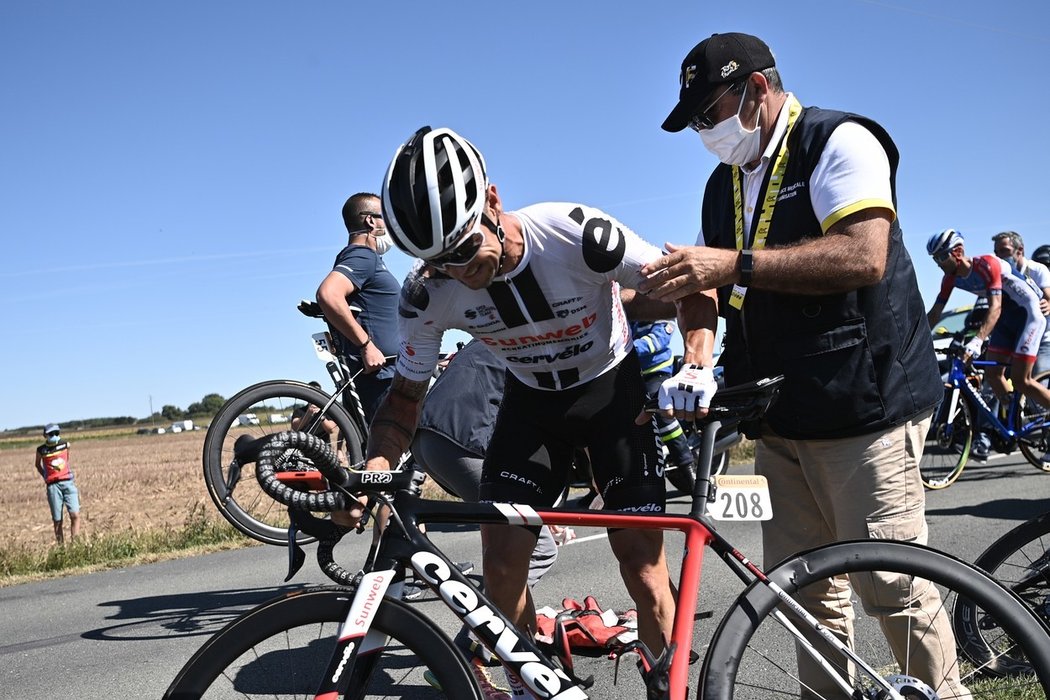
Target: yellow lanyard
[776,179]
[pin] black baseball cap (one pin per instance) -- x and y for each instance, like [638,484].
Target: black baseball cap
[717,60]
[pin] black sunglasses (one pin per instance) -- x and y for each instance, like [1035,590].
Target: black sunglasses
[467,248]
[701,120]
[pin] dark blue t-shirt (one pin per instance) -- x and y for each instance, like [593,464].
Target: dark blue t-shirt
[376,292]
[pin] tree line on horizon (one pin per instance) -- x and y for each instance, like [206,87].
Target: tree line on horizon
[205,408]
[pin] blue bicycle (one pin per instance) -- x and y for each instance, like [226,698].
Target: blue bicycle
[1020,425]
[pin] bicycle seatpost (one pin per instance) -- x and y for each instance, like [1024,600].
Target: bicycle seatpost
[702,485]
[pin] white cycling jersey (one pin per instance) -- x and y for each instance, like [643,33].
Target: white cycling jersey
[555,320]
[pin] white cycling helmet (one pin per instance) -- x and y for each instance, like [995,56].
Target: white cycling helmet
[433,192]
[940,243]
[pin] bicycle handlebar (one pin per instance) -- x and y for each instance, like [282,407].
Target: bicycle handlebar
[738,403]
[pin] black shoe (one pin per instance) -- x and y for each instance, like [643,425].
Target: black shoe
[413,591]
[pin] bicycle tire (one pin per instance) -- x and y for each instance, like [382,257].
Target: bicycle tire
[947,447]
[1020,560]
[232,485]
[752,655]
[1034,447]
[277,650]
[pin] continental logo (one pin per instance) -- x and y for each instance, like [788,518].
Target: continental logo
[523,341]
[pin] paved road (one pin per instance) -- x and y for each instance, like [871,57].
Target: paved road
[123,634]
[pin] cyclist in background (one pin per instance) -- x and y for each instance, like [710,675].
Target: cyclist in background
[1014,325]
[1010,247]
[652,344]
[537,286]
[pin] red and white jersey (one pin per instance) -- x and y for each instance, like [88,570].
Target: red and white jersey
[990,275]
[555,320]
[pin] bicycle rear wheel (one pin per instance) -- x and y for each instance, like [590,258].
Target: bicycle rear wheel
[754,656]
[231,477]
[1036,443]
[1020,560]
[281,648]
[947,444]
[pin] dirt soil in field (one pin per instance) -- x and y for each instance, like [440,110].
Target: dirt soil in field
[131,481]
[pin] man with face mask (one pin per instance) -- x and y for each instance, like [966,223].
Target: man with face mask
[799,237]
[1009,245]
[359,278]
[52,462]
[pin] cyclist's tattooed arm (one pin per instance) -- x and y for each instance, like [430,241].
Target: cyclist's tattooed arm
[395,422]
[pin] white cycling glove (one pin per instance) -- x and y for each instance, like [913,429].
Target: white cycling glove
[690,389]
[974,347]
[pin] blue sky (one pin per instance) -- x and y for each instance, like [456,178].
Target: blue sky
[172,173]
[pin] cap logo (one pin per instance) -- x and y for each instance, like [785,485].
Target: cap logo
[728,68]
[688,74]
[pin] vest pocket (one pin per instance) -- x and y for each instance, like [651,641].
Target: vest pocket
[830,388]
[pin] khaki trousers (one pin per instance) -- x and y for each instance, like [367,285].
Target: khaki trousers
[863,487]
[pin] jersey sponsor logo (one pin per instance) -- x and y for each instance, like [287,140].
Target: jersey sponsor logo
[564,313]
[566,354]
[483,311]
[549,336]
[565,302]
[604,244]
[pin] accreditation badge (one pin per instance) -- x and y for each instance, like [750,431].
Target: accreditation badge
[736,299]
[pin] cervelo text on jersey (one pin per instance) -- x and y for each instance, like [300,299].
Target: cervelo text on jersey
[555,320]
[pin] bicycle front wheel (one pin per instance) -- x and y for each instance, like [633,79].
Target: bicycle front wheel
[257,412]
[1020,560]
[1035,443]
[754,655]
[948,443]
[282,648]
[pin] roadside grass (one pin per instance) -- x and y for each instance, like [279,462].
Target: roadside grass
[200,533]
[180,521]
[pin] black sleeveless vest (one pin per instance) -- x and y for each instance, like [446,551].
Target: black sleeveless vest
[855,362]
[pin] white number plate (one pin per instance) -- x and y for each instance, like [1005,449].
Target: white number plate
[741,497]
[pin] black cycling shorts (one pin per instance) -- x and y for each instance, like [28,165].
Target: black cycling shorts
[532,446]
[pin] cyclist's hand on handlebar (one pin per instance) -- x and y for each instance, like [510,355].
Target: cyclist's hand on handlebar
[974,347]
[350,518]
[688,394]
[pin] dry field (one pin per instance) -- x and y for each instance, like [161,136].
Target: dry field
[129,481]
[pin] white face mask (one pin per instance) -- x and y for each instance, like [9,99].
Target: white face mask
[383,243]
[730,142]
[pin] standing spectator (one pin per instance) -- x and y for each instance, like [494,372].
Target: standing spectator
[652,343]
[361,279]
[1010,247]
[799,236]
[52,461]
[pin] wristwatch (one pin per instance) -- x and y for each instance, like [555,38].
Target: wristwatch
[747,266]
